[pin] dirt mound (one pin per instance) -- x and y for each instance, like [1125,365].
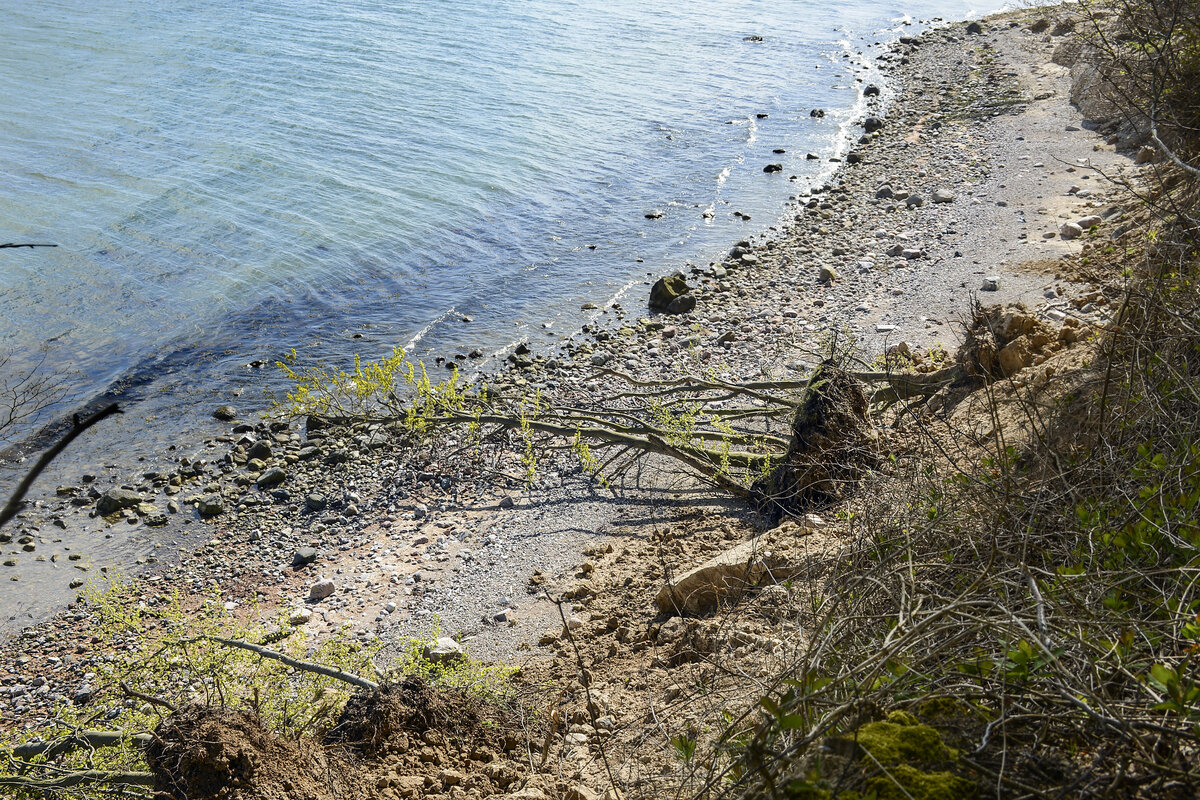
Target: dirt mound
[1003,340]
[372,719]
[203,752]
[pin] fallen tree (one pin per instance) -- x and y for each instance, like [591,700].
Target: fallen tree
[782,445]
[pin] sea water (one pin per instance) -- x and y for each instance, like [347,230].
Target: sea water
[228,181]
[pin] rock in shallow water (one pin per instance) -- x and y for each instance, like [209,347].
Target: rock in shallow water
[115,500]
[225,413]
[667,293]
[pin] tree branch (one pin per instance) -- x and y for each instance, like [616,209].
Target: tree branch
[295,663]
[57,747]
[69,779]
[15,502]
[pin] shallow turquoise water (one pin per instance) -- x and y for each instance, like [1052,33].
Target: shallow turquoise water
[226,181]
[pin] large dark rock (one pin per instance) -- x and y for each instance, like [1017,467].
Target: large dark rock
[225,413]
[667,290]
[872,124]
[260,450]
[115,500]
[210,505]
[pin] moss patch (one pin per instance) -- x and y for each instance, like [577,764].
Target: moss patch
[904,782]
[900,738]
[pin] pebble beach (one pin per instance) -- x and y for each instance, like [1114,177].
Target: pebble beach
[971,174]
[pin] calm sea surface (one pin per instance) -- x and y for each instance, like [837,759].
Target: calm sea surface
[227,181]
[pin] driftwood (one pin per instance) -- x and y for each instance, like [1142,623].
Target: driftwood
[14,504]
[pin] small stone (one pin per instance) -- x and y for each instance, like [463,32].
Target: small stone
[773,168]
[914,201]
[991,283]
[210,505]
[272,478]
[321,589]
[884,193]
[817,113]
[444,650]
[315,502]
[974,28]
[654,213]
[942,196]
[225,413]
[1070,230]
[1088,222]
[304,556]
[507,502]
[872,124]
[300,616]
[828,274]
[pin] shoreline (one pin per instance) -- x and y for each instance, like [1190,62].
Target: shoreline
[756,317]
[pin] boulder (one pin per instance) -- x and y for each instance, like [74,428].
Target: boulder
[303,556]
[1070,230]
[321,589]
[667,290]
[115,500]
[765,559]
[682,304]
[260,450]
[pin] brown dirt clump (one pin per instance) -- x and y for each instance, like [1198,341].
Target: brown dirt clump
[408,739]
[202,752]
[373,719]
